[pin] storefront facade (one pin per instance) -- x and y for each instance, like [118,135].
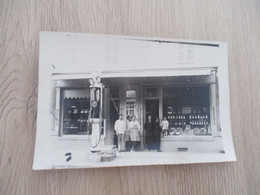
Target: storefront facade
[188,98]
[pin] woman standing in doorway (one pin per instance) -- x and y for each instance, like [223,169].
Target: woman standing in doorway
[134,128]
[157,135]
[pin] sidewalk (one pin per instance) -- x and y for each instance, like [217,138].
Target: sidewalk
[91,160]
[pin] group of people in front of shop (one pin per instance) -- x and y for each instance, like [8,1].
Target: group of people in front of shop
[129,133]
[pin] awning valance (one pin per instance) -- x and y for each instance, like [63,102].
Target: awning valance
[77,74]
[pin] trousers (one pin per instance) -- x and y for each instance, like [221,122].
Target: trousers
[121,142]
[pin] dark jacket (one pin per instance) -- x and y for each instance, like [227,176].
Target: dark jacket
[157,129]
[149,128]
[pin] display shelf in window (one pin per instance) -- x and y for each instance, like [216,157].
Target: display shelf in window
[187,115]
[75,116]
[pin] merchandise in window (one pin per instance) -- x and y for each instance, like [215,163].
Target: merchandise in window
[187,110]
[75,115]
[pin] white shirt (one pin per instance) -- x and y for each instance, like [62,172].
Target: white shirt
[120,127]
[134,125]
[165,124]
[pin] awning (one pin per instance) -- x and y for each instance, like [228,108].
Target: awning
[76,93]
[77,74]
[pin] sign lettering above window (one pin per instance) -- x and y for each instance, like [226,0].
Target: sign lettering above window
[130,94]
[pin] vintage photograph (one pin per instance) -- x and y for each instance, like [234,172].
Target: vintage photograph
[109,101]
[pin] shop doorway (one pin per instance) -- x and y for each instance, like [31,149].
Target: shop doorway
[113,117]
[151,108]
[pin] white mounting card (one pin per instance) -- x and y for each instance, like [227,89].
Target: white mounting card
[107,101]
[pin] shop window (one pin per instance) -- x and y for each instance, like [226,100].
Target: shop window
[130,102]
[75,112]
[187,110]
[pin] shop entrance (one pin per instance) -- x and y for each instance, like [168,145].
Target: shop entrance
[114,104]
[151,108]
[113,117]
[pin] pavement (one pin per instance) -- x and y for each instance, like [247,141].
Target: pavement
[93,160]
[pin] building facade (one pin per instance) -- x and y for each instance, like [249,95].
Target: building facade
[187,97]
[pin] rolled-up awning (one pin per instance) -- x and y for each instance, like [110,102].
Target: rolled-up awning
[76,93]
[78,73]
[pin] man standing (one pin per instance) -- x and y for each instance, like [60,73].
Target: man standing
[120,128]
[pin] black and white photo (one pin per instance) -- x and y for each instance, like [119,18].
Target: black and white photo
[109,101]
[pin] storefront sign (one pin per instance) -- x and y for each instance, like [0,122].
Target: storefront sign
[130,94]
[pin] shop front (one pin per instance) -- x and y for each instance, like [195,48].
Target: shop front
[187,98]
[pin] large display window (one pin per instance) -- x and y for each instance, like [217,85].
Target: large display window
[75,112]
[75,109]
[187,109]
[75,120]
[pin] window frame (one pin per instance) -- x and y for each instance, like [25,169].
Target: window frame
[61,118]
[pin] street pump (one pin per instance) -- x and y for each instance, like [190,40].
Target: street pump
[106,152]
[95,113]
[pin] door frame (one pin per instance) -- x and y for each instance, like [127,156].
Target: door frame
[158,97]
